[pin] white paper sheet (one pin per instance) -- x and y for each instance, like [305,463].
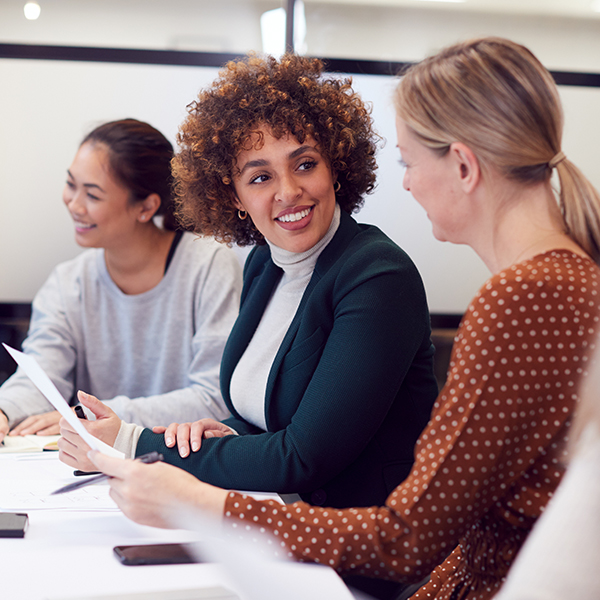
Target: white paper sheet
[33,494]
[44,384]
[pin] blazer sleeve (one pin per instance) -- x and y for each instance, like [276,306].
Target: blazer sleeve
[380,320]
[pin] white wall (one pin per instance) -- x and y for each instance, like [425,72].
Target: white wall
[386,33]
[335,29]
[50,105]
[47,106]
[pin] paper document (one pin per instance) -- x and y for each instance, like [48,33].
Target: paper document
[212,593]
[35,494]
[44,384]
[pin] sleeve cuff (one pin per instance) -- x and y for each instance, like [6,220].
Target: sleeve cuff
[127,438]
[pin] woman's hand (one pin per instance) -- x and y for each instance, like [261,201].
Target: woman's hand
[72,449]
[42,424]
[154,494]
[3,425]
[191,434]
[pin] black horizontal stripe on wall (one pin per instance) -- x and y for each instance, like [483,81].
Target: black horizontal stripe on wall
[216,59]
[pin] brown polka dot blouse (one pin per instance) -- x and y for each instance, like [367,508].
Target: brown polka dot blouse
[491,455]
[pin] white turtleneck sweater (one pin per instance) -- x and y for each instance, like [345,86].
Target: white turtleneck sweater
[249,380]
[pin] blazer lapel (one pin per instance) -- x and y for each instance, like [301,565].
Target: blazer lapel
[347,229]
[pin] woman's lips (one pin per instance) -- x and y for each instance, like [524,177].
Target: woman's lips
[296,218]
[83,227]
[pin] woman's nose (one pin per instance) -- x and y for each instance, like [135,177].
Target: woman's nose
[72,198]
[405,181]
[289,189]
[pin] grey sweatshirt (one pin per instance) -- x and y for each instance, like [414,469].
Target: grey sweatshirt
[154,358]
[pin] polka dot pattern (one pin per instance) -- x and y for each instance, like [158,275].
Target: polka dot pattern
[491,455]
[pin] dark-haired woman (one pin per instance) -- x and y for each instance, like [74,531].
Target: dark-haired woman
[141,318]
[328,371]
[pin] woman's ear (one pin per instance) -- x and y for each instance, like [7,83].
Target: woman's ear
[148,207]
[237,203]
[467,166]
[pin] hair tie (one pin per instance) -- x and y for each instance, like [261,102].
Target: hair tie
[558,158]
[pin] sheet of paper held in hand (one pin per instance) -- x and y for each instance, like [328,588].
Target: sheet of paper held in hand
[44,384]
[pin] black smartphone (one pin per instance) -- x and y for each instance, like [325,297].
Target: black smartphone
[155,554]
[13,525]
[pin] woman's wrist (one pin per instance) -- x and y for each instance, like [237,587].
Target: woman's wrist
[127,438]
[211,499]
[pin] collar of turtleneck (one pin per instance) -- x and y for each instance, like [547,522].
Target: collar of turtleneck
[294,264]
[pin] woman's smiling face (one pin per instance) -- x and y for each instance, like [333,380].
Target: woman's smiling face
[100,207]
[287,189]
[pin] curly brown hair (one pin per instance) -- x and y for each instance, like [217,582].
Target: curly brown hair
[290,96]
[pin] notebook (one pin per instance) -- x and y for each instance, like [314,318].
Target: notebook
[28,443]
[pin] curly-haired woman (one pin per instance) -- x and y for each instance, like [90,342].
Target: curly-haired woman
[328,370]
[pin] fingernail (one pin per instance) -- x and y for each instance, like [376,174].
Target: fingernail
[195,446]
[183,451]
[169,441]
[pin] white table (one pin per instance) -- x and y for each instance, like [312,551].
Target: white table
[68,553]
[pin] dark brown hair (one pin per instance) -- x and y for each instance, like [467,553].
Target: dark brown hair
[290,96]
[140,158]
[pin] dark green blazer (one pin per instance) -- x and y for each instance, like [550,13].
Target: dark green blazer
[351,386]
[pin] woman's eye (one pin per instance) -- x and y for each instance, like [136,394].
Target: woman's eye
[306,165]
[259,179]
[402,164]
[92,197]
[70,185]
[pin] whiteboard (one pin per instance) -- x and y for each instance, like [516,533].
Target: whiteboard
[48,106]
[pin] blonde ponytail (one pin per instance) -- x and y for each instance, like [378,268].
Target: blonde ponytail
[580,206]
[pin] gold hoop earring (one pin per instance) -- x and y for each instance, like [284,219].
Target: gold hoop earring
[240,217]
[337,186]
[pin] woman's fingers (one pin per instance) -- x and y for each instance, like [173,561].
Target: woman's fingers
[72,450]
[3,425]
[42,424]
[189,435]
[115,467]
[98,408]
[196,432]
[183,439]
[53,429]
[154,494]
[171,435]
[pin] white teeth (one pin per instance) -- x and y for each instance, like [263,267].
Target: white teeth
[294,216]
